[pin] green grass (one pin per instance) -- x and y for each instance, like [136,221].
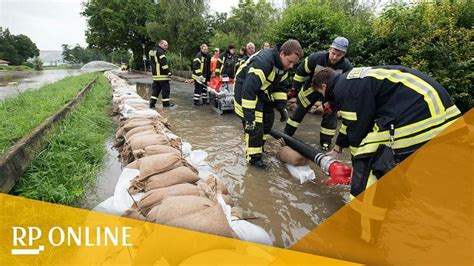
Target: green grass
[15,68]
[20,114]
[75,154]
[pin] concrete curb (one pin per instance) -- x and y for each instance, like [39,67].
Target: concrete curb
[15,161]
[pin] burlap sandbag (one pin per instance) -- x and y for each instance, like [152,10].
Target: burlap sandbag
[160,149]
[137,130]
[290,156]
[148,140]
[141,134]
[133,165]
[137,123]
[156,164]
[178,175]
[154,197]
[211,191]
[211,220]
[176,207]
[134,213]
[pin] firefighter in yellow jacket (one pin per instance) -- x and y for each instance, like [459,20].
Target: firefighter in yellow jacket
[388,112]
[258,91]
[161,75]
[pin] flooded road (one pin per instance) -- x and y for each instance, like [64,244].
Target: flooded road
[13,83]
[282,206]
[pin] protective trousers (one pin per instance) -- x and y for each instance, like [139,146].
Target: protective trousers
[254,142]
[306,99]
[200,92]
[162,86]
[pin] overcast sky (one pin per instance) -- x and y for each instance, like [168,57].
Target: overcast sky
[50,23]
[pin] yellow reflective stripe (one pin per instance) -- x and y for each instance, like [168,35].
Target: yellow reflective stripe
[220,60]
[198,71]
[351,116]
[302,96]
[258,117]
[165,67]
[197,59]
[343,129]
[292,123]
[154,97]
[279,96]
[251,151]
[161,77]
[306,67]
[271,77]
[328,131]
[166,99]
[298,78]
[259,73]
[284,76]
[161,56]
[371,180]
[401,143]
[238,111]
[413,82]
[412,128]
[152,53]
[265,136]
[249,104]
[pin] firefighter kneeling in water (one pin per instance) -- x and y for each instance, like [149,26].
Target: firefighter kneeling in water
[388,113]
[258,90]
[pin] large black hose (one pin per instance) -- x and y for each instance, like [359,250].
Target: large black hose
[307,151]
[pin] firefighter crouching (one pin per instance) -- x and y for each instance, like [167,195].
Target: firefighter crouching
[161,75]
[306,97]
[201,75]
[258,90]
[388,112]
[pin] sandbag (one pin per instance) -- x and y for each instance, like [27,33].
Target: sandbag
[133,165]
[138,129]
[154,197]
[176,207]
[175,176]
[142,134]
[160,149]
[148,140]
[211,220]
[137,123]
[156,164]
[134,213]
[290,156]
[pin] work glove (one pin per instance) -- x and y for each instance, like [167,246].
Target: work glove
[292,93]
[327,108]
[202,79]
[283,115]
[249,127]
[169,75]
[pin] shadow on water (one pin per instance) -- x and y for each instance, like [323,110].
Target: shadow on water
[284,207]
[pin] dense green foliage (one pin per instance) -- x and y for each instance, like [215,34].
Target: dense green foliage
[435,38]
[16,48]
[66,169]
[20,114]
[80,55]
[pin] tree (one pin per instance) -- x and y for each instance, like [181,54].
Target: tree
[120,25]
[16,48]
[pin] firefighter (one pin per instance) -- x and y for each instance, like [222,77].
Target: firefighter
[334,58]
[201,75]
[161,75]
[258,90]
[249,51]
[226,62]
[388,112]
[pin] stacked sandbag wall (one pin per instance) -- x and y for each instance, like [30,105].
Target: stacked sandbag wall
[164,180]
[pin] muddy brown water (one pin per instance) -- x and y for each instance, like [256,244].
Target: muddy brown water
[274,199]
[13,83]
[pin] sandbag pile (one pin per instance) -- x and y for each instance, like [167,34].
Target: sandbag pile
[165,181]
[296,163]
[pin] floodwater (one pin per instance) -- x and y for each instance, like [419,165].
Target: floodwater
[13,83]
[271,198]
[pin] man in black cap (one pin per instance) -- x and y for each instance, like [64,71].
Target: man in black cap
[333,58]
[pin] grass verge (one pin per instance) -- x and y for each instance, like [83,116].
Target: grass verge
[75,154]
[15,68]
[20,114]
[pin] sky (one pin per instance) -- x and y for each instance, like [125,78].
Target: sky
[51,23]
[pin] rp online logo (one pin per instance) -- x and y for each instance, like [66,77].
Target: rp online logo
[31,234]
[25,238]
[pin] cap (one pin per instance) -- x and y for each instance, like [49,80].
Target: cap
[216,49]
[340,43]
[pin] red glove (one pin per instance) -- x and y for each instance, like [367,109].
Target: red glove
[291,93]
[327,108]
